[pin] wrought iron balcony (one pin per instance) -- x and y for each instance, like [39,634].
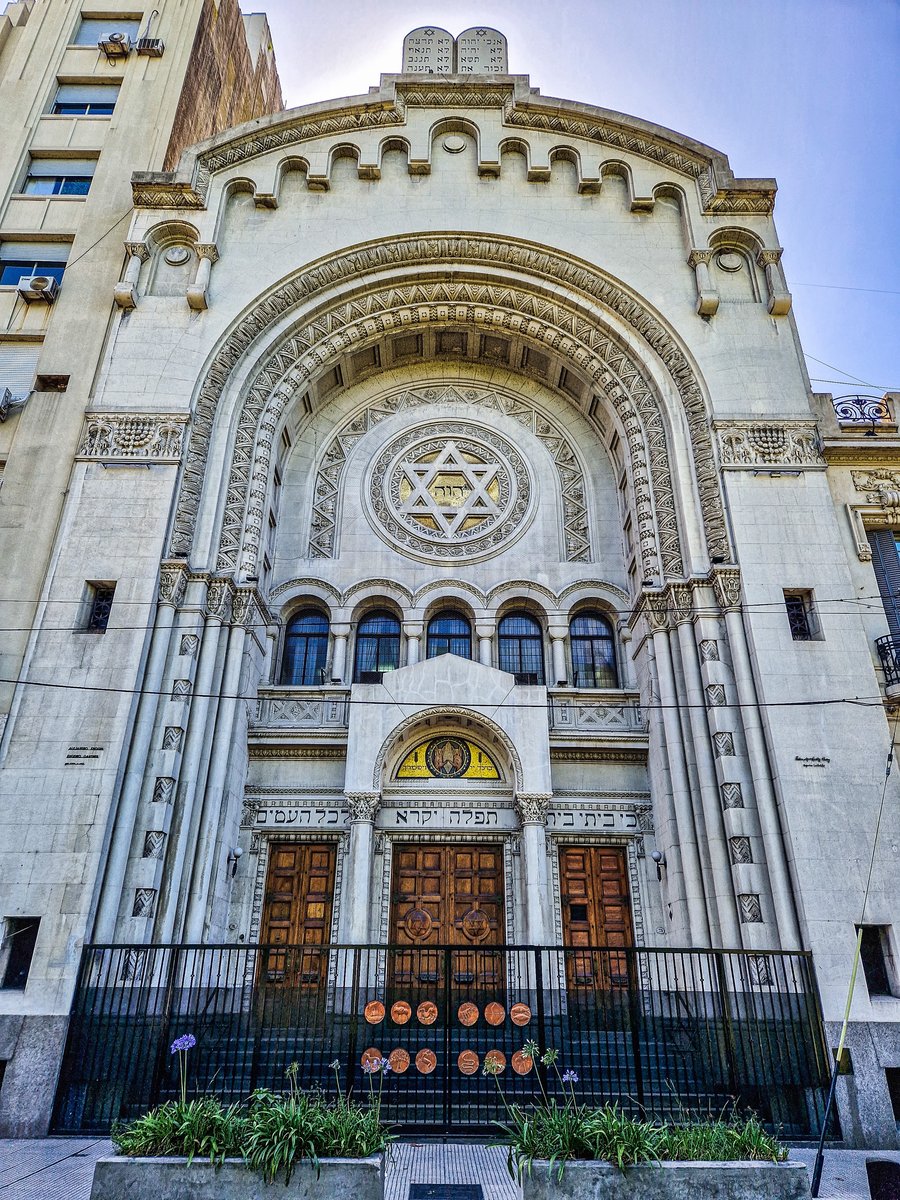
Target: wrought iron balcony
[863,410]
[889,652]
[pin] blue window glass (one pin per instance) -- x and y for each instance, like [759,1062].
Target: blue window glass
[377,644]
[593,651]
[521,646]
[305,650]
[449,633]
[12,270]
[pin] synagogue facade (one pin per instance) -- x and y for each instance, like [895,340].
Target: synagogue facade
[472,566]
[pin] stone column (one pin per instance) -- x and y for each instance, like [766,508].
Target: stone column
[125,291]
[341,634]
[356,898]
[485,635]
[780,299]
[209,849]
[558,656]
[197,293]
[532,808]
[707,295]
[656,609]
[172,583]
[414,632]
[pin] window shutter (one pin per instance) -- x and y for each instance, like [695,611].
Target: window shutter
[87,93]
[886,562]
[18,365]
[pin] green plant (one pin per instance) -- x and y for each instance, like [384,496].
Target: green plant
[194,1128]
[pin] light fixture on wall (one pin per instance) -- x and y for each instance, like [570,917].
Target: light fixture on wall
[234,855]
[660,859]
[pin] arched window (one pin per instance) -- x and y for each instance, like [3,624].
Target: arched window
[377,644]
[449,633]
[305,649]
[593,651]
[522,647]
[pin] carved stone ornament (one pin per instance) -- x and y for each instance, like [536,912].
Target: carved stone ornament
[242,606]
[715,695]
[732,795]
[723,744]
[750,909]
[880,487]
[566,323]
[449,491]
[144,900]
[145,437]
[533,807]
[755,445]
[172,583]
[709,650]
[217,596]
[362,806]
[682,602]
[656,610]
[727,584]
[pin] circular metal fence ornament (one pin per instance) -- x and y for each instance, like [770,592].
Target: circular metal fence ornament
[426,1061]
[370,1056]
[374,1012]
[467,1013]
[494,1013]
[400,1012]
[427,1012]
[522,1063]
[497,1061]
[520,1014]
[399,1060]
[468,1062]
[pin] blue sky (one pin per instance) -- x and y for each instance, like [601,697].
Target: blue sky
[807,91]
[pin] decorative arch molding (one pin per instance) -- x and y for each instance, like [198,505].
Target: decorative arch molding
[328,488]
[399,740]
[570,325]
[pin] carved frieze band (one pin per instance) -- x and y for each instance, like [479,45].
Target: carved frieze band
[665,608]
[880,489]
[301,357]
[755,445]
[146,437]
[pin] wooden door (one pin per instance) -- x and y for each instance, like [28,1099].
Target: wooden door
[446,895]
[596,913]
[297,912]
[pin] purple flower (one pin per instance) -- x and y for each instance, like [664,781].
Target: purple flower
[385,1065]
[570,1077]
[371,1065]
[187,1041]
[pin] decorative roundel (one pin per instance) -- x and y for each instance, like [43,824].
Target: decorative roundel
[447,757]
[729,260]
[454,144]
[475,925]
[454,491]
[176,256]
[417,923]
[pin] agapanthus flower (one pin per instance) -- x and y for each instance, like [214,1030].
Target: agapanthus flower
[371,1065]
[491,1067]
[549,1057]
[334,1066]
[530,1050]
[570,1077]
[385,1065]
[187,1041]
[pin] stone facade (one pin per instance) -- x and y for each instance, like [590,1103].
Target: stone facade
[452,347]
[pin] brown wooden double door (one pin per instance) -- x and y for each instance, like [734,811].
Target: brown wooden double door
[446,895]
[596,912]
[297,912]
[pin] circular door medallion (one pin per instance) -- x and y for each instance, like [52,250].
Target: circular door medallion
[426,1061]
[427,1012]
[399,1060]
[521,1064]
[374,1011]
[520,1014]
[447,757]
[467,1013]
[468,1062]
[475,925]
[400,1012]
[494,1013]
[497,1061]
[370,1056]
[417,923]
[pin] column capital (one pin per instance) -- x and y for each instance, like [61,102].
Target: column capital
[533,806]
[137,250]
[700,256]
[655,607]
[768,258]
[218,593]
[362,805]
[682,595]
[208,250]
[727,584]
[172,583]
[242,605]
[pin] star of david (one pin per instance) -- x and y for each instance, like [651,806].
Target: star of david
[450,506]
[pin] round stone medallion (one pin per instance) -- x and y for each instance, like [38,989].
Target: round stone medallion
[451,491]
[729,260]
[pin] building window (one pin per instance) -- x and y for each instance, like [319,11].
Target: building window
[449,633]
[885,545]
[305,650]
[93,30]
[521,646]
[377,645]
[593,651]
[875,958]
[85,100]
[59,176]
[99,606]
[892,1075]
[19,260]
[18,947]
[801,616]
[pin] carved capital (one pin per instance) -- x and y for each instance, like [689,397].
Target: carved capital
[137,250]
[217,596]
[769,258]
[700,256]
[172,583]
[208,250]
[682,602]
[656,610]
[533,807]
[241,605]
[362,806]
[727,584]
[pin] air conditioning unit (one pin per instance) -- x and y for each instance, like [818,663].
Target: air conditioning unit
[38,287]
[5,401]
[115,45]
[150,47]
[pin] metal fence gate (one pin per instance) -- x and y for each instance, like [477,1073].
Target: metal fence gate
[661,1032]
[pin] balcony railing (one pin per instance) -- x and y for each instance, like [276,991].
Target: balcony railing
[889,652]
[862,410]
[587,712]
[302,709]
[661,1032]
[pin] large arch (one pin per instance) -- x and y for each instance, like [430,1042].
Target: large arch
[540,294]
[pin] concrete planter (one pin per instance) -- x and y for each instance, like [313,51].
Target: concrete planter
[173,1179]
[669,1181]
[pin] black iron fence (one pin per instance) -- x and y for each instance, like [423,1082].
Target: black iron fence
[663,1032]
